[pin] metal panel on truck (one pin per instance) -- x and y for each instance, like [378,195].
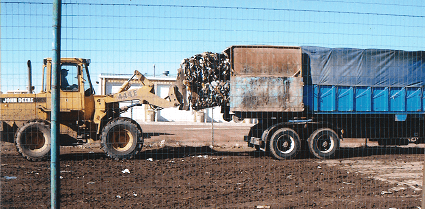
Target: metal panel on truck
[266,79]
[398,99]
[266,61]
[413,99]
[380,99]
[266,94]
[345,98]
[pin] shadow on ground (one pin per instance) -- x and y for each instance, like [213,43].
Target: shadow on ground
[165,153]
[182,152]
[149,135]
[377,150]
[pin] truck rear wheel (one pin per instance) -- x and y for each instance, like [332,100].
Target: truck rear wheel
[122,139]
[284,144]
[33,141]
[323,143]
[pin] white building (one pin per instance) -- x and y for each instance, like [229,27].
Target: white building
[110,83]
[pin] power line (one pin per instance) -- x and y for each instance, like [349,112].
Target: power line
[366,3]
[244,8]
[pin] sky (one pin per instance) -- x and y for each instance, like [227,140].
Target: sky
[122,36]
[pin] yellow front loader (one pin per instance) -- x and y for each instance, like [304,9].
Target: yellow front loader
[84,116]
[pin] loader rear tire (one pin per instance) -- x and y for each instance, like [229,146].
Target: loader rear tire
[284,144]
[122,138]
[33,141]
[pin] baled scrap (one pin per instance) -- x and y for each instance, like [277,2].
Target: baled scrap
[206,77]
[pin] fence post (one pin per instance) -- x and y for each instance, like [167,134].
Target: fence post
[423,185]
[55,119]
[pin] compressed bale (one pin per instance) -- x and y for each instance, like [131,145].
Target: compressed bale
[206,77]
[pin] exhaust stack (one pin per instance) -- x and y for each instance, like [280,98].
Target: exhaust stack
[30,87]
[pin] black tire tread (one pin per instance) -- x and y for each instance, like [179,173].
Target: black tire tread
[316,153]
[20,149]
[139,138]
[271,144]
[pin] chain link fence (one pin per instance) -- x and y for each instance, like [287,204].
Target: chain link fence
[206,104]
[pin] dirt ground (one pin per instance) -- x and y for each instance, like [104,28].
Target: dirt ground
[179,168]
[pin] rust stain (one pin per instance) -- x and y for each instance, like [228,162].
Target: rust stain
[265,61]
[266,94]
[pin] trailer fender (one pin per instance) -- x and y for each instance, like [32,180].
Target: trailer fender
[267,134]
[313,126]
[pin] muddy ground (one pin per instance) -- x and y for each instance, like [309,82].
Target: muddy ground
[180,169]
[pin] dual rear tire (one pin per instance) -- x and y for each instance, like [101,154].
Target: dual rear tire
[285,143]
[323,143]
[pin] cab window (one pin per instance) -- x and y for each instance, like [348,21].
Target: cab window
[69,78]
[88,88]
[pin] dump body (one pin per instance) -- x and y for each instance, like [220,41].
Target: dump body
[318,80]
[265,79]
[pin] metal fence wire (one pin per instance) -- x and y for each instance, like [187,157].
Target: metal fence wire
[215,104]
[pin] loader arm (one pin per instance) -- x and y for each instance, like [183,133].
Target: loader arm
[140,77]
[145,94]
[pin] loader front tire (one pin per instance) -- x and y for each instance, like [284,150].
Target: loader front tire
[122,138]
[33,141]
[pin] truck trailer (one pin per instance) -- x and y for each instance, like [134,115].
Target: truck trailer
[310,98]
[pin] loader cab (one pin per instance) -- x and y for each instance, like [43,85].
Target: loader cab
[76,89]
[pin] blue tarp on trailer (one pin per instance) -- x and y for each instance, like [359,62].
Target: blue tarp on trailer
[364,67]
[373,81]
